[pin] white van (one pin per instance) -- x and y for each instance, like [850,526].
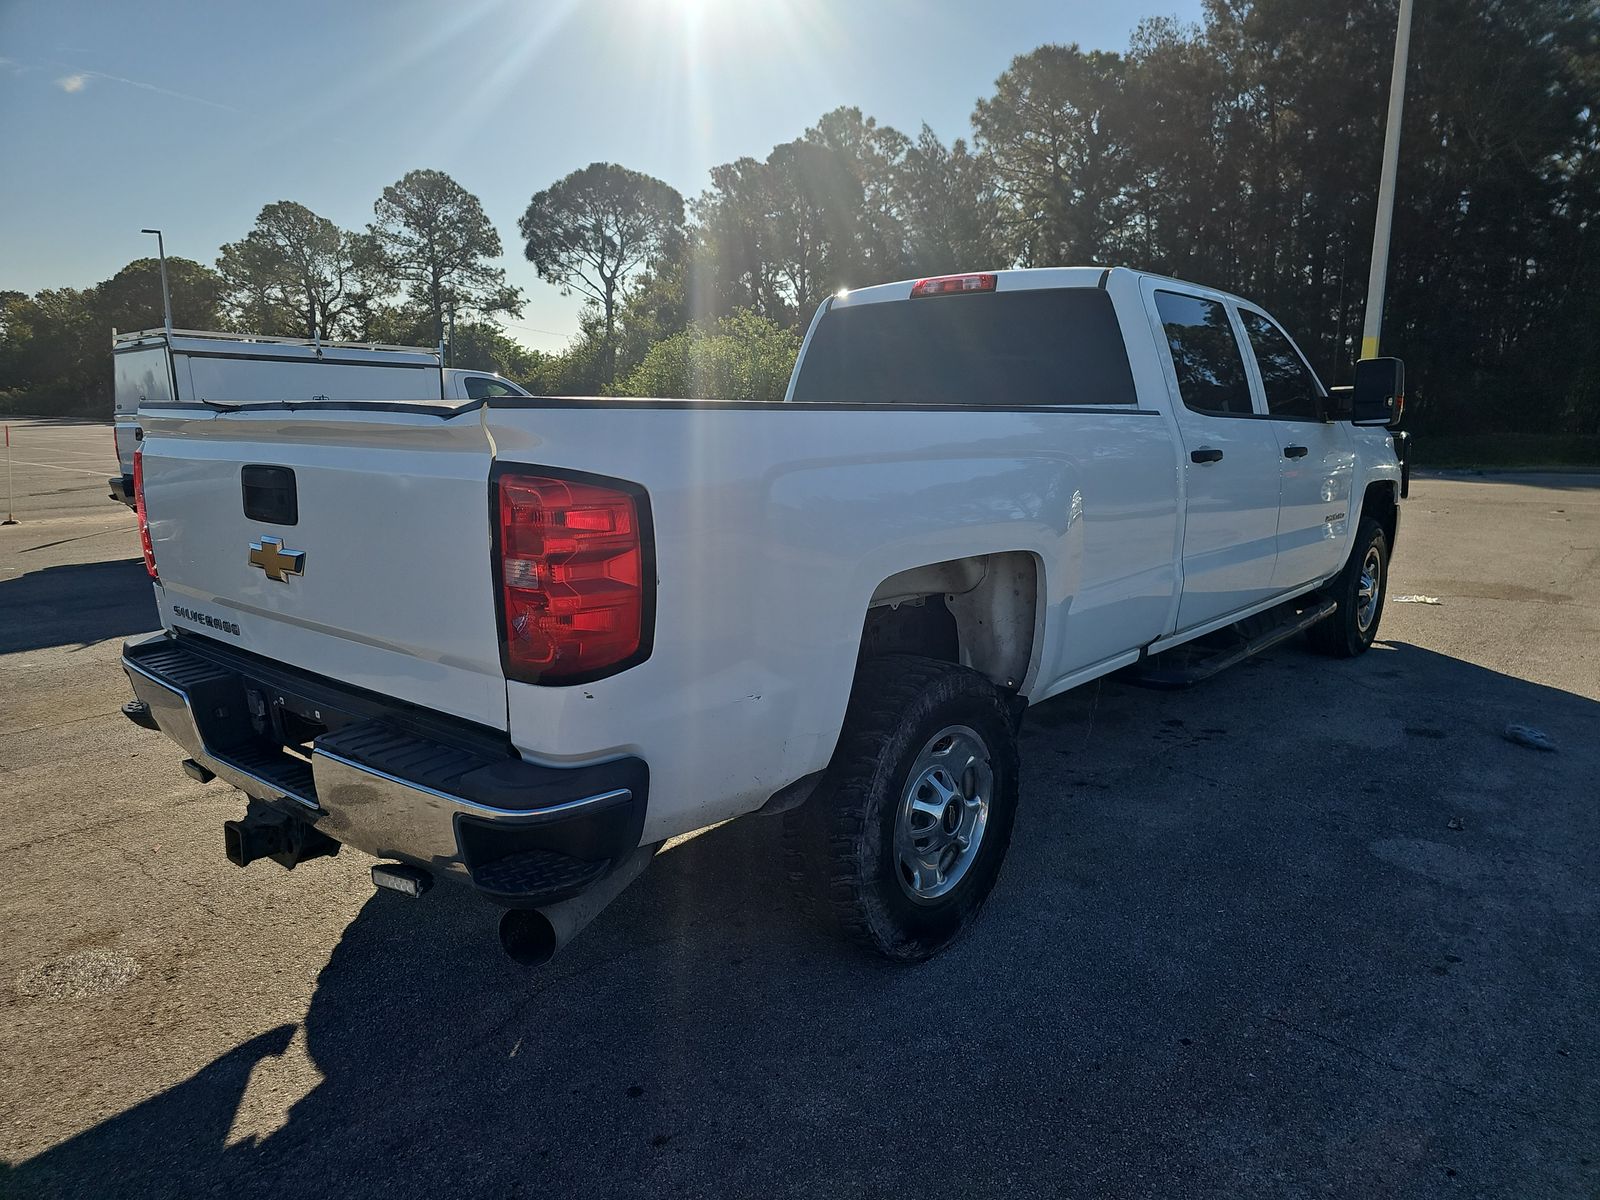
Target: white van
[152,367]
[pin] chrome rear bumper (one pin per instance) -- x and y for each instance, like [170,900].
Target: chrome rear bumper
[524,834]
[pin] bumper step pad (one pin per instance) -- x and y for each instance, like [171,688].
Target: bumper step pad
[537,874]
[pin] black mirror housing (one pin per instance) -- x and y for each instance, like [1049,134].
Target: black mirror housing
[1378,396]
[1337,406]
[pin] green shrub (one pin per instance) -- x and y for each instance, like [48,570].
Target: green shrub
[741,357]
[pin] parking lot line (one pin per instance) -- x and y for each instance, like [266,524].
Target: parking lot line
[53,467]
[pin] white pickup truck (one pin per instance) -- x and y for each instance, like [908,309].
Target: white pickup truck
[522,641]
[155,367]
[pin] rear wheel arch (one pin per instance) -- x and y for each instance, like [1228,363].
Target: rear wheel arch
[981,611]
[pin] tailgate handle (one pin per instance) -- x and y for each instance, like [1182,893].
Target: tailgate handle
[269,494]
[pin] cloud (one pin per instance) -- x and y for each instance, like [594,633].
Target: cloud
[73,83]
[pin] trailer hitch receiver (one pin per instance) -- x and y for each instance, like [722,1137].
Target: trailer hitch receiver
[266,833]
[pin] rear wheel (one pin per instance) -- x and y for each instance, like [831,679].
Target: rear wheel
[904,839]
[1360,589]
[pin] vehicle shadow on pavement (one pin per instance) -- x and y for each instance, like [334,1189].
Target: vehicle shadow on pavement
[76,604]
[1261,937]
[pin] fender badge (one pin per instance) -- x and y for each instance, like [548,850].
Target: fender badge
[278,563]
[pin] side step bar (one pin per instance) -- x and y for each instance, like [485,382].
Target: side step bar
[1189,664]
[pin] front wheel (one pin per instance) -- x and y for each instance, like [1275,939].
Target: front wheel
[904,839]
[1360,589]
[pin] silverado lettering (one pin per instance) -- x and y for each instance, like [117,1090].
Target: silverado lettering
[206,619]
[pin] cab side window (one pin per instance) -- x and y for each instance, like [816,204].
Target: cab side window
[482,387]
[1290,386]
[1205,354]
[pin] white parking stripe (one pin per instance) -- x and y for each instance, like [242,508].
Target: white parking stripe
[53,467]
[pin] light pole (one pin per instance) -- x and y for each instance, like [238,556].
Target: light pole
[166,296]
[1391,161]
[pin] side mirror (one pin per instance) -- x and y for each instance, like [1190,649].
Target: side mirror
[1378,396]
[1337,406]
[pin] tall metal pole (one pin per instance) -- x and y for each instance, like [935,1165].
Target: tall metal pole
[1373,323]
[11,487]
[166,296]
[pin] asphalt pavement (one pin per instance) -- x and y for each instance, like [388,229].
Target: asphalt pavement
[1308,928]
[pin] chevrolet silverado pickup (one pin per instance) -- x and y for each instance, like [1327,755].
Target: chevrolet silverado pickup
[519,642]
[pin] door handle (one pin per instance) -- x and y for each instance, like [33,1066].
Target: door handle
[1205,455]
[1295,451]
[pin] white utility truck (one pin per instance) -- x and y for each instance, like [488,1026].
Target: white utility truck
[521,641]
[151,367]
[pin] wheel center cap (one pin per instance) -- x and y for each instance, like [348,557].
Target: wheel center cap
[952,816]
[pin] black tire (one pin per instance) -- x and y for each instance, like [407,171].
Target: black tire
[840,844]
[1354,627]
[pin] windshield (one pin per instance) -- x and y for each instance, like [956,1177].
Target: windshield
[1041,346]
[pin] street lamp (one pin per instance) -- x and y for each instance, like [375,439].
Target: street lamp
[1378,275]
[166,296]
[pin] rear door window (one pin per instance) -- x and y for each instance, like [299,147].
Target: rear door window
[1291,388]
[1205,354]
[1044,346]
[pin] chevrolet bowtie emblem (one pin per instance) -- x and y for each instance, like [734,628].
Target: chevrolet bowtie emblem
[278,563]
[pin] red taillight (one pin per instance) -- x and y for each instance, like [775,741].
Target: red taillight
[952,285]
[144,521]
[572,579]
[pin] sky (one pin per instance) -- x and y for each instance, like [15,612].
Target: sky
[190,116]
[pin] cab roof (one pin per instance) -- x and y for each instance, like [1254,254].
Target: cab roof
[1016,279]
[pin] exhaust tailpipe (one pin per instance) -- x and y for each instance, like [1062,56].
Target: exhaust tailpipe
[532,936]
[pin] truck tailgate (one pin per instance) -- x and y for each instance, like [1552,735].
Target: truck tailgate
[383,574]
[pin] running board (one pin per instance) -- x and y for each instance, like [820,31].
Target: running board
[1193,661]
